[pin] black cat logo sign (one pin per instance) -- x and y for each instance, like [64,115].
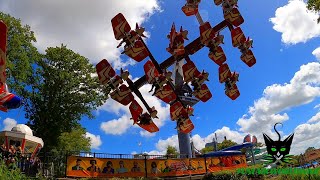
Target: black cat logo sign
[278,151]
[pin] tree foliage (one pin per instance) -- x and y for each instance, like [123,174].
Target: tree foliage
[74,141]
[310,149]
[207,149]
[314,5]
[68,143]
[295,160]
[59,87]
[65,89]
[21,54]
[244,150]
[225,144]
[259,144]
[172,151]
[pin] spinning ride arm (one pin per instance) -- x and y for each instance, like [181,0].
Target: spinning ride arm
[158,67]
[138,93]
[190,49]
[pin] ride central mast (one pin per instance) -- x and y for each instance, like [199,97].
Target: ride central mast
[182,89]
[185,146]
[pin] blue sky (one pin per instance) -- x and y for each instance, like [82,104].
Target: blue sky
[283,86]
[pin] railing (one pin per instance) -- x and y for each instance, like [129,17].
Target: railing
[45,164]
[126,156]
[102,165]
[53,165]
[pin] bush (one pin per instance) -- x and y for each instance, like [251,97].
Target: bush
[301,176]
[224,175]
[10,174]
[231,175]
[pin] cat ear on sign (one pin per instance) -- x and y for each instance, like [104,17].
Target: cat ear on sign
[289,139]
[267,139]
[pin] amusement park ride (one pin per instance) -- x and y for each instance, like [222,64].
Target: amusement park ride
[7,99]
[160,78]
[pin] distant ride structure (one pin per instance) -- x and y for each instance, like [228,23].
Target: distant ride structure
[250,138]
[176,90]
[21,135]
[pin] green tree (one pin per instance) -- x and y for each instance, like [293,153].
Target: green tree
[225,144]
[295,160]
[243,150]
[172,151]
[310,149]
[207,149]
[74,141]
[259,144]
[314,5]
[21,54]
[301,159]
[69,143]
[65,89]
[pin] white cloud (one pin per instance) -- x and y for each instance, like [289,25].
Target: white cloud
[317,106]
[268,110]
[155,152]
[95,140]
[134,152]
[316,53]
[116,126]
[200,142]
[162,144]
[113,107]
[295,22]
[230,134]
[306,135]
[83,25]
[146,134]
[314,118]
[9,124]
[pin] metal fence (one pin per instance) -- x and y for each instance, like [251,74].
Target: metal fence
[52,165]
[91,165]
[48,165]
[126,156]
